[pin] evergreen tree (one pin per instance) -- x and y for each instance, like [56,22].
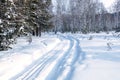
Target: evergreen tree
[21,17]
[38,15]
[45,16]
[10,25]
[7,24]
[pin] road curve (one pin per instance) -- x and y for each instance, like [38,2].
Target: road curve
[57,64]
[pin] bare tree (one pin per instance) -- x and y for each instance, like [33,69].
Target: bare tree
[117,15]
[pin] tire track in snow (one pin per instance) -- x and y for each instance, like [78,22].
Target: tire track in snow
[72,57]
[65,66]
[57,70]
[32,71]
[60,60]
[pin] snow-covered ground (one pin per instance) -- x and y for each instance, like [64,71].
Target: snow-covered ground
[63,57]
[102,61]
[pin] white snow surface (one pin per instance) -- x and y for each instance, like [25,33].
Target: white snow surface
[63,57]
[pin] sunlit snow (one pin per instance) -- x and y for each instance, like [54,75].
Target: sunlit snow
[63,57]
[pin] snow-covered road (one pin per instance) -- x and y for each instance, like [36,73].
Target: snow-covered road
[63,57]
[57,64]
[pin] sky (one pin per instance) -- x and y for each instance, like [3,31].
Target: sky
[107,3]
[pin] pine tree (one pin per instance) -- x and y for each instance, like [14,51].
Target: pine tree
[10,24]
[21,17]
[5,28]
[36,16]
[39,16]
[45,16]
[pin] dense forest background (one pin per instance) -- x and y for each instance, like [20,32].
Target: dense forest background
[86,16]
[31,17]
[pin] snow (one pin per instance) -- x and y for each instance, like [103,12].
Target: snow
[0,21]
[14,61]
[63,57]
[101,63]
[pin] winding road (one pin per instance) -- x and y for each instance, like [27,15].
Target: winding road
[57,64]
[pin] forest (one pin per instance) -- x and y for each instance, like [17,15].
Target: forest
[31,17]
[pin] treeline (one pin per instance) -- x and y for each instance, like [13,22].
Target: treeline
[85,16]
[100,22]
[23,17]
[31,17]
